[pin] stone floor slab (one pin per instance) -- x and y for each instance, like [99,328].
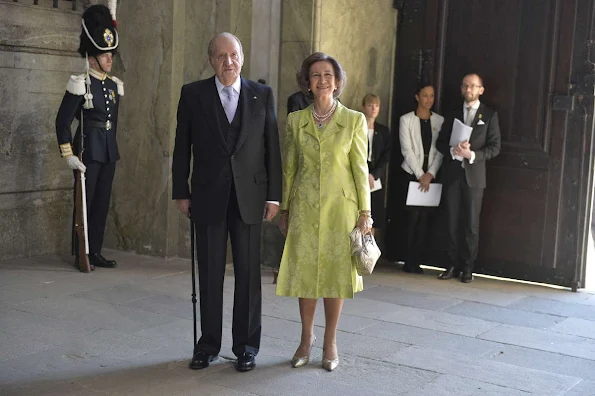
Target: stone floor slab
[408,298]
[347,322]
[583,388]
[544,361]
[553,307]
[439,321]
[504,315]
[119,294]
[543,340]
[431,339]
[452,289]
[12,376]
[577,327]
[495,373]
[50,389]
[164,305]
[447,385]
[96,314]
[63,363]
[353,377]
[136,381]
[12,346]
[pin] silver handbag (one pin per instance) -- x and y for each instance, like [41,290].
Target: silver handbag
[364,252]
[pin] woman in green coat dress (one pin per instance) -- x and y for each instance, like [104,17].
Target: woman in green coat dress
[326,194]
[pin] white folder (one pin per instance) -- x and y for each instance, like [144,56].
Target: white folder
[460,133]
[416,197]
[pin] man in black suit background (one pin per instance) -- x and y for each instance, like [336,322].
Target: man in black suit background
[297,101]
[228,127]
[464,175]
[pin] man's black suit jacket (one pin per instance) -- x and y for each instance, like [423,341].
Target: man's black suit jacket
[254,165]
[485,142]
[297,101]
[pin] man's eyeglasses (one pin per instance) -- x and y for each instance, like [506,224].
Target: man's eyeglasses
[472,86]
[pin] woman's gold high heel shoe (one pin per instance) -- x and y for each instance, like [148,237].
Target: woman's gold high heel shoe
[329,364]
[302,361]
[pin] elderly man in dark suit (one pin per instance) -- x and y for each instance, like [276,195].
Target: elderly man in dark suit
[228,127]
[464,175]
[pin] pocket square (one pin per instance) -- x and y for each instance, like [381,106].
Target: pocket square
[480,122]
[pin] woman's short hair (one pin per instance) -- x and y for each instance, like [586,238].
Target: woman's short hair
[303,76]
[371,98]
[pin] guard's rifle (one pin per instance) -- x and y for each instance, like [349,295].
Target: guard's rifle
[80,210]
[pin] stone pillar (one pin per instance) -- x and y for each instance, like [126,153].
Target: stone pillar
[37,56]
[296,44]
[266,37]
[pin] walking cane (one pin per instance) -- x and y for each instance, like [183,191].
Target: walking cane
[193,277]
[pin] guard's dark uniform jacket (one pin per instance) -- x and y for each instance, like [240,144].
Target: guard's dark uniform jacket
[100,122]
[100,153]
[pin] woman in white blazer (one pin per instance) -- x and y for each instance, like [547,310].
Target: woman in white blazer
[418,131]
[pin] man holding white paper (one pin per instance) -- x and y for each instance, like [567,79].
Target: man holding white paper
[464,173]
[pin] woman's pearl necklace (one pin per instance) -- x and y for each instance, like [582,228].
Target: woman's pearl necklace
[320,119]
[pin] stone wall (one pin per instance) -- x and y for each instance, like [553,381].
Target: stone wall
[361,36]
[37,54]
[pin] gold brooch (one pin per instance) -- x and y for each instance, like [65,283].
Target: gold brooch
[108,36]
[480,116]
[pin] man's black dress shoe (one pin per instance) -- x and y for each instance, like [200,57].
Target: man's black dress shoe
[98,260]
[467,277]
[450,273]
[245,362]
[201,360]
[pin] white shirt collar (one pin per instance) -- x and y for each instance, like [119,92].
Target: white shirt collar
[236,85]
[475,105]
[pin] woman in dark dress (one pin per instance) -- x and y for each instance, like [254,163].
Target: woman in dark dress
[418,131]
[378,155]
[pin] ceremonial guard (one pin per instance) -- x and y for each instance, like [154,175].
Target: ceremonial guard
[93,98]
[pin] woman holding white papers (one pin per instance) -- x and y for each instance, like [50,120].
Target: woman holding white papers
[378,155]
[418,131]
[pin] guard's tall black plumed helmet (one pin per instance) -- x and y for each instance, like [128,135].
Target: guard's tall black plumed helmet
[98,34]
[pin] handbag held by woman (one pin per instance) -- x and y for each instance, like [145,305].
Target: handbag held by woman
[364,251]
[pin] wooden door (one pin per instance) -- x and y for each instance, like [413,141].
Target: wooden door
[534,58]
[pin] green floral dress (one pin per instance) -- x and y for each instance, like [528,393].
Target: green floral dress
[325,185]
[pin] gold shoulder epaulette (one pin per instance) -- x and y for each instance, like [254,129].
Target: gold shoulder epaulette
[76,85]
[119,83]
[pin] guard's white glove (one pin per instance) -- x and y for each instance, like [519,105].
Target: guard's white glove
[75,163]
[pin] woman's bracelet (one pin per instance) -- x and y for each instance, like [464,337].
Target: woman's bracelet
[366,213]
